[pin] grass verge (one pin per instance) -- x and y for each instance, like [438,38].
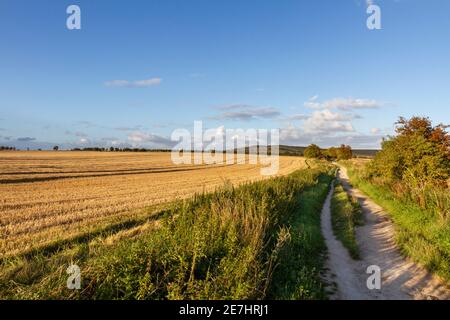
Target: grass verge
[297,276]
[346,215]
[420,234]
[235,243]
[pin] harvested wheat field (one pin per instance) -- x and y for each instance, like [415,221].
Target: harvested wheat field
[54,196]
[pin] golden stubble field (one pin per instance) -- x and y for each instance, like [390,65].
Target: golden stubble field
[52,196]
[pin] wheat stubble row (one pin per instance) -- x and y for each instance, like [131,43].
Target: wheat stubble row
[50,196]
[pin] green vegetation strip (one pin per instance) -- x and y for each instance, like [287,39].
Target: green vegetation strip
[421,234]
[260,240]
[346,215]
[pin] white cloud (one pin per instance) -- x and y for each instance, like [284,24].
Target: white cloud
[117,83]
[134,128]
[234,106]
[375,130]
[220,131]
[134,84]
[292,135]
[139,137]
[246,112]
[327,128]
[324,121]
[26,139]
[142,138]
[294,117]
[147,82]
[343,104]
[115,142]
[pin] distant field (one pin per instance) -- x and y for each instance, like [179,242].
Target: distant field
[53,196]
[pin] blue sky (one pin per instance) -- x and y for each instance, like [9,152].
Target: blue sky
[137,70]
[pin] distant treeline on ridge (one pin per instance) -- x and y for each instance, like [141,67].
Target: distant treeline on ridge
[284,150]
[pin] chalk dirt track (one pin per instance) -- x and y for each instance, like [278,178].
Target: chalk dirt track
[401,279]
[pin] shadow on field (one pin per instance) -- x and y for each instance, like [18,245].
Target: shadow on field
[125,173]
[48,250]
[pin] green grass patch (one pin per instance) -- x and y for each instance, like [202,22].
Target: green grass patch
[301,260]
[235,243]
[346,215]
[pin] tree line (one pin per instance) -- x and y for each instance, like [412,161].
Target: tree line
[7,148]
[113,149]
[344,152]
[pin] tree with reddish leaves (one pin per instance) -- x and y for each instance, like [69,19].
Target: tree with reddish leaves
[422,126]
[418,155]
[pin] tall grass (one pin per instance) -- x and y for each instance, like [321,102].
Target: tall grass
[422,233]
[229,244]
[301,260]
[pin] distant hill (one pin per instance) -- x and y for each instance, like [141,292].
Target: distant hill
[291,150]
[365,153]
[298,151]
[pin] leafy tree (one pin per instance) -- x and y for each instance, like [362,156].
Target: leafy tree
[332,153]
[55,148]
[344,152]
[418,155]
[313,151]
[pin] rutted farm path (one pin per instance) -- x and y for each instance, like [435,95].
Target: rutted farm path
[400,278]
